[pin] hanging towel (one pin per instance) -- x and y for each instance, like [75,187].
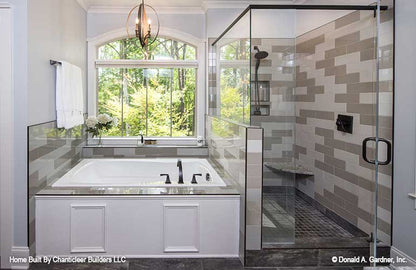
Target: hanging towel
[69,96]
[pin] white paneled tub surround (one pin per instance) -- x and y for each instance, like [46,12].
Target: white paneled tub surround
[138,226]
[139,173]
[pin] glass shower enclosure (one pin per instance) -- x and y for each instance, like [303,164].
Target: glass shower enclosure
[318,80]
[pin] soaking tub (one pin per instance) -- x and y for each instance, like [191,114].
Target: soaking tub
[139,173]
[122,207]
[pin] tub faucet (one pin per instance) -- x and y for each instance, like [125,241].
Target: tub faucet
[179,165]
[141,141]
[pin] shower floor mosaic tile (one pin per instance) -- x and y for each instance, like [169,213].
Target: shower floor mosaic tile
[287,215]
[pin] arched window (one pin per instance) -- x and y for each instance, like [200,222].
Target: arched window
[152,92]
[162,49]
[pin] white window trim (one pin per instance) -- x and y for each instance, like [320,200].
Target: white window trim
[200,96]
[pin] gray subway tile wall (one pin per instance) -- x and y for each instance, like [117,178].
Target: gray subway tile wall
[145,152]
[52,152]
[279,125]
[254,187]
[238,150]
[342,63]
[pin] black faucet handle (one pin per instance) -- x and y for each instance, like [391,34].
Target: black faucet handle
[194,178]
[167,178]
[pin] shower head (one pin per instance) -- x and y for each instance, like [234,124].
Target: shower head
[260,54]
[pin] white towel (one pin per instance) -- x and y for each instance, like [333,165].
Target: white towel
[69,96]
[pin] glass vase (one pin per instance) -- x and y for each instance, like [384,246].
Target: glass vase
[100,142]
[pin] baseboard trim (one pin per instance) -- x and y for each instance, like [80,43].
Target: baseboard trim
[20,252]
[396,252]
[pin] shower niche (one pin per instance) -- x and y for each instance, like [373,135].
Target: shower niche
[262,104]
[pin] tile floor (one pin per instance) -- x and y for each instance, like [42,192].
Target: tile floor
[172,264]
[287,216]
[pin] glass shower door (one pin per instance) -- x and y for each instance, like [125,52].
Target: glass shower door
[382,146]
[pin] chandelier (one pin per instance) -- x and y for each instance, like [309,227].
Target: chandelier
[144,29]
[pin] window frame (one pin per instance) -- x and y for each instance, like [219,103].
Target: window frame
[199,64]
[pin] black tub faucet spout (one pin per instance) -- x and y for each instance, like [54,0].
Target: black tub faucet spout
[179,165]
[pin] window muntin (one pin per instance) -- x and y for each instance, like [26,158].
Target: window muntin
[162,49]
[153,98]
[156,102]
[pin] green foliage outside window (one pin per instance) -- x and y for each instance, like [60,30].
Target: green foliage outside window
[234,81]
[156,102]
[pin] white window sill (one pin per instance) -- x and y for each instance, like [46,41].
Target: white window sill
[133,142]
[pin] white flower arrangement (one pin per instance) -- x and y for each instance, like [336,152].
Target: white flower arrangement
[91,122]
[95,125]
[104,119]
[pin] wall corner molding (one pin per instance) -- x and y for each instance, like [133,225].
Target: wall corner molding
[20,252]
[395,252]
[83,4]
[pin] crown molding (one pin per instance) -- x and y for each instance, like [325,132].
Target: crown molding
[160,10]
[83,4]
[207,4]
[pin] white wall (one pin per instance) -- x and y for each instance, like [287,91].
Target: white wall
[404,212]
[307,20]
[217,20]
[273,23]
[43,29]
[56,30]
[6,135]
[100,23]
[20,123]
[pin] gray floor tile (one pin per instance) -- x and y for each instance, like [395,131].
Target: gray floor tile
[113,266]
[318,268]
[176,264]
[216,264]
[165,264]
[291,217]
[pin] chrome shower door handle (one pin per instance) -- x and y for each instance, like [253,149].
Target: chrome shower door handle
[364,150]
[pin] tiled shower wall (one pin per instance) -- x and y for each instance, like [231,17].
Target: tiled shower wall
[335,74]
[238,150]
[279,127]
[52,152]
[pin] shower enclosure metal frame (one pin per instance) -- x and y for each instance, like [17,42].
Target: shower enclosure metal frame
[376,9]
